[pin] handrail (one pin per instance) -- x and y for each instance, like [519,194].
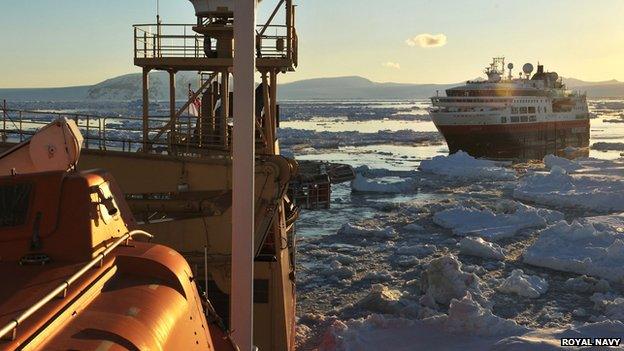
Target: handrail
[179,40]
[62,289]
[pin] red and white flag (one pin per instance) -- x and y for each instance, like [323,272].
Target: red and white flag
[195,105]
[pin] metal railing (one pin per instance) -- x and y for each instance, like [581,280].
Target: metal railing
[167,40]
[61,290]
[118,133]
[180,41]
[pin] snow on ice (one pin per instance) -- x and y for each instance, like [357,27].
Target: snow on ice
[365,185]
[503,222]
[557,188]
[592,246]
[475,246]
[462,166]
[381,299]
[551,161]
[524,285]
[467,326]
[444,280]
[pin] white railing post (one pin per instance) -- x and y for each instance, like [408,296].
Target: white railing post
[243,158]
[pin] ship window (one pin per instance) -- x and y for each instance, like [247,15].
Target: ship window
[523,110]
[531,109]
[532,118]
[503,119]
[14,201]
[524,118]
[515,119]
[514,110]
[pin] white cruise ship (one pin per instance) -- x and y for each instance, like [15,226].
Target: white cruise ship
[508,117]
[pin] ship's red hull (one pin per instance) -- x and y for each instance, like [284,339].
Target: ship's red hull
[517,140]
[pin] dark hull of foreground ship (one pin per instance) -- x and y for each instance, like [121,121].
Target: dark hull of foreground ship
[518,141]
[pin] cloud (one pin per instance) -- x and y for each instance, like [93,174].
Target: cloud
[391,64]
[427,40]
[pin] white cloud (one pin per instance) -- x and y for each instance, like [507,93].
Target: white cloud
[391,64]
[427,40]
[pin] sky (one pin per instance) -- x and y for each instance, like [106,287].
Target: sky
[46,43]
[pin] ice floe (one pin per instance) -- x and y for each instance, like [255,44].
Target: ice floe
[475,246]
[444,280]
[365,185]
[502,222]
[381,299]
[468,326]
[551,161]
[592,246]
[467,316]
[524,285]
[605,146]
[461,165]
[557,188]
[585,284]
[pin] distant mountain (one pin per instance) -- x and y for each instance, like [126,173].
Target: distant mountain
[573,83]
[355,88]
[128,87]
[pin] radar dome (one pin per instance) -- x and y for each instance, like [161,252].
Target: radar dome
[510,65]
[527,68]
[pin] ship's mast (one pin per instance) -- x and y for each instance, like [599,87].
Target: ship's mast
[243,164]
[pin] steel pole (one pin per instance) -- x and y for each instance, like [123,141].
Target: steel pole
[243,151]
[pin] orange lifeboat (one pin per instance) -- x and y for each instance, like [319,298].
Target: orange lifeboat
[76,278]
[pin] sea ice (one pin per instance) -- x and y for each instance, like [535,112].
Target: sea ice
[372,232]
[524,285]
[505,222]
[381,299]
[466,316]
[468,326]
[550,340]
[365,185]
[416,250]
[326,139]
[591,245]
[611,305]
[475,246]
[336,269]
[462,166]
[444,280]
[551,161]
[585,284]
[604,146]
[559,189]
